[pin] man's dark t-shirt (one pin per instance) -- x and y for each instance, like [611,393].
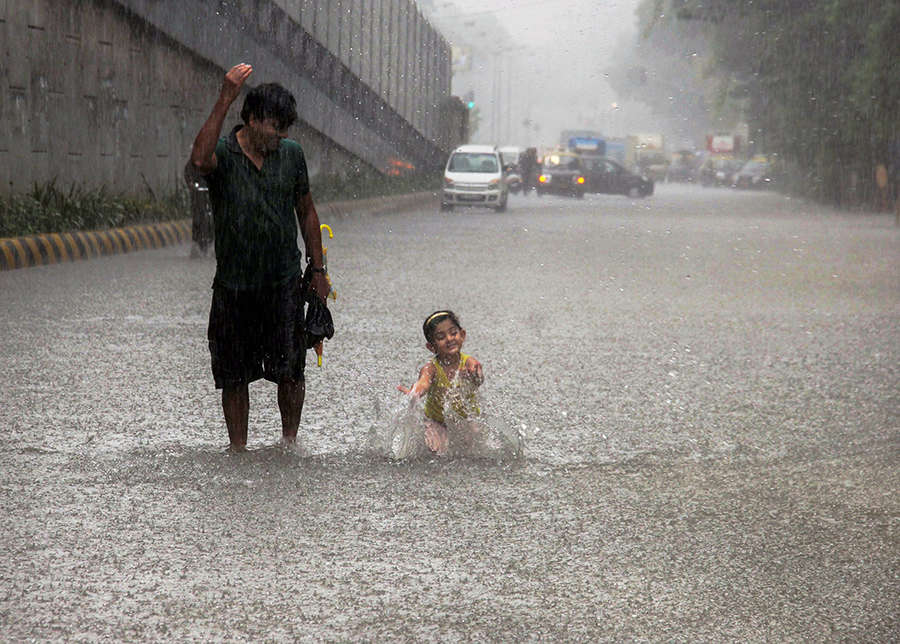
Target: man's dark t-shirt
[253,212]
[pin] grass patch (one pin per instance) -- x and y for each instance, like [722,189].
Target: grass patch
[48,208]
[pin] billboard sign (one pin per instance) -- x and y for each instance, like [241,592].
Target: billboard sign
[721,144]
[584,144]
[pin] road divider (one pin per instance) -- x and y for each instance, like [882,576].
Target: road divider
[52,248]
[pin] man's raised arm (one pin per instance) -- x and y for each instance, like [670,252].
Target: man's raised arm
[203,154]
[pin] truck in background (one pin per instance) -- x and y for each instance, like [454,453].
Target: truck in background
[567,135]
[587,145]
[617,150]
[648,152]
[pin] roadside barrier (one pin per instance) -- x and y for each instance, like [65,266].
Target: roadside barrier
[52,248]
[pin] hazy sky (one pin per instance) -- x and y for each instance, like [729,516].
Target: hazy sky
[556,75]
[576,23]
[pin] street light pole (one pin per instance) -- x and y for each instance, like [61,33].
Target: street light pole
[496,92]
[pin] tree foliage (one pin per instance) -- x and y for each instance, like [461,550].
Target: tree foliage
[817,81]
[667,70]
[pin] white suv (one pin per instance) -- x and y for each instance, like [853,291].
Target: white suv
[474,177]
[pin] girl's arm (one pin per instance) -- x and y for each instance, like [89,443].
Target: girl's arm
[474,371]
[426,374]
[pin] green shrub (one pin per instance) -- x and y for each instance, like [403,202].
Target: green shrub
[47,208]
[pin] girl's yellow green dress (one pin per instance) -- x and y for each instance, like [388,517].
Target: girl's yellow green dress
[443,392]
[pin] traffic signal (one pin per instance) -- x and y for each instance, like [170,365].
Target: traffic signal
[470,100]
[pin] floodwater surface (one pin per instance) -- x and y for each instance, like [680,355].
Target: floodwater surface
[701,388]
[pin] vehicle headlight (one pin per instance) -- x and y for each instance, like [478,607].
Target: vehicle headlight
[544,178]
[579,180]
[493,183]
[448,182]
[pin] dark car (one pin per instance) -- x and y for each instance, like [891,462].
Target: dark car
[754,174]
[561,173]
[608,176]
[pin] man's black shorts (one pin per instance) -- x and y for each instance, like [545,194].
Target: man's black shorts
[257,334]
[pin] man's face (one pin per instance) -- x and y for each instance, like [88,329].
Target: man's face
[266,133]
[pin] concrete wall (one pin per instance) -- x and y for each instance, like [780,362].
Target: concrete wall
[112,92]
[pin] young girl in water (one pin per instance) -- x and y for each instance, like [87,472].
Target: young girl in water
[448,382]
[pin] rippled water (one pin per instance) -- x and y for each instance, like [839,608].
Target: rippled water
[695,383]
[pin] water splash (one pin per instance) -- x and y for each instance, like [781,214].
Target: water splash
[398,433]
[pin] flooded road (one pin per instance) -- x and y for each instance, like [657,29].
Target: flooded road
[706,382]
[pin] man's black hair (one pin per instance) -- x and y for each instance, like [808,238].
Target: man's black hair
[436,318]
[270,100]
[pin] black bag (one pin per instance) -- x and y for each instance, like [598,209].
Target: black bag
[319,324]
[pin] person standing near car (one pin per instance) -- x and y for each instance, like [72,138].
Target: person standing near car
[259,189]
[528,166]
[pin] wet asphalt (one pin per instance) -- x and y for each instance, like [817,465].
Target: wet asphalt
[707,384]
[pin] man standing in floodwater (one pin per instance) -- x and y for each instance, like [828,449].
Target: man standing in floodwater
[259,189]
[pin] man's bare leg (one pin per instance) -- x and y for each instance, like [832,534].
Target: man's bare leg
[236,405]
[290,402]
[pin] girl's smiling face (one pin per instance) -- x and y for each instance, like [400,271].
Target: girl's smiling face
[447,339]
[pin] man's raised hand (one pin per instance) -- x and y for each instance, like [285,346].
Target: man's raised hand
[234,80]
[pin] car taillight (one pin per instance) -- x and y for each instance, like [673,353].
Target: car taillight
[543,178]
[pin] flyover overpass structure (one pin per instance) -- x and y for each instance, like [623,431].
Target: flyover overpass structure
[112,92]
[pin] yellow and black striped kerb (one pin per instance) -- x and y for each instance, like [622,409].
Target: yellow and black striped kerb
[50,248]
